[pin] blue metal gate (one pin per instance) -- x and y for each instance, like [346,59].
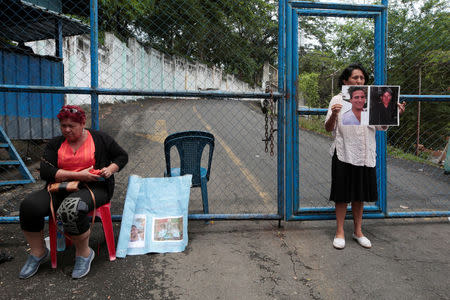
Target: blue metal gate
[292,10]
[288,176]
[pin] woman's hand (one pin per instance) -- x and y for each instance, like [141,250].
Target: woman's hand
[401,107]
[335,109]
[109,170]
[83,175]
[86,176]
[331,122]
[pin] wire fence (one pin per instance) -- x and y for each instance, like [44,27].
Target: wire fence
[418,60]
[415,182]
[220,46]
[166,46]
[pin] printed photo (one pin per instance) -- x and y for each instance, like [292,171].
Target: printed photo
[137,234]
[167,229]
[354,110]
[383,105]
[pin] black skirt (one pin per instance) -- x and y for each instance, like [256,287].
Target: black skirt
[351,183]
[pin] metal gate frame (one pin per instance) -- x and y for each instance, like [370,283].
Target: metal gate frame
[289,20]
[287,134]
[95,91]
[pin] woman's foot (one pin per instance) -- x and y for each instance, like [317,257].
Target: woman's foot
[32,264]
[363,241]
[82,265]
[339,243]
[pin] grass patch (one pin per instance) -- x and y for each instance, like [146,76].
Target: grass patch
[399,153]
[314,123]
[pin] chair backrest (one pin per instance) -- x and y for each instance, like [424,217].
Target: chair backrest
[190,146]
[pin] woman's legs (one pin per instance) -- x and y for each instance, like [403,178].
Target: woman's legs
[73,213]
[33,209]
[341,210]
[357,210]
[81,243]
[36,242]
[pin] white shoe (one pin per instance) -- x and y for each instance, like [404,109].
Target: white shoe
[339,243]
[363,241]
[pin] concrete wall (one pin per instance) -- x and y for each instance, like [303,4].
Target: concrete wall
[132,66]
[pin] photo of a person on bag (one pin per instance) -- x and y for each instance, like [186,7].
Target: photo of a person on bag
[79,154]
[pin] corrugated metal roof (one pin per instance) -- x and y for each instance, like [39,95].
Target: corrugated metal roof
[25,22]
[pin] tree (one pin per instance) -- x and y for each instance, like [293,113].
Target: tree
[238,36]
[308,86]
[418,60]
[418,41]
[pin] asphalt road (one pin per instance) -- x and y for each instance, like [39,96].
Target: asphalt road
[243,176]
[242,259]
[252,260]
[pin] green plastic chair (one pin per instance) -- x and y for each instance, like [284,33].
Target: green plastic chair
[190,146]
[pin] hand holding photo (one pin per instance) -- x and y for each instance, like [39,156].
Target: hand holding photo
[384,105]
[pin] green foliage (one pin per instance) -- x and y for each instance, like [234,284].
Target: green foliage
[322,63]
[399,153]
[418,49]
[419,40]
[238,36]
[419,61]
[308,87]
[314,123]
[354,42]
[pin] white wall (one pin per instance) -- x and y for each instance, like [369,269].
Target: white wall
[131,66]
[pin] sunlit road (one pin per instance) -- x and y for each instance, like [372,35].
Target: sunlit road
[243,176]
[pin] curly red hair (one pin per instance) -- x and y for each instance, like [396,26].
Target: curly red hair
[72,112]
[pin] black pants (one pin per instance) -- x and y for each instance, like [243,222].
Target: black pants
[71,208]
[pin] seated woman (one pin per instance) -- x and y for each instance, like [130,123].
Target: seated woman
[66,158]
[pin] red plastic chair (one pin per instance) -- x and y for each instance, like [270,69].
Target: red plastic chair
[104,213]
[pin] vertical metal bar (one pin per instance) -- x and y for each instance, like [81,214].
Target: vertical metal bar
[94,64]
[281,102]
[418,112]
[288,143]
[295,139]
[380,79]
[58,39]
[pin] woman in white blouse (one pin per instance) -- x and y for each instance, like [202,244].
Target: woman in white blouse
[353,173]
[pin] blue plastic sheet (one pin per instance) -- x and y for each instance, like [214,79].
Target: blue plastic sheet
[155,215]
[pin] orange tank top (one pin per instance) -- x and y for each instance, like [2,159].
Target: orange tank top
[79,160]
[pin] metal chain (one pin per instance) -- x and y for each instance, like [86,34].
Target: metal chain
[268,109]
[271,111]
[266,127]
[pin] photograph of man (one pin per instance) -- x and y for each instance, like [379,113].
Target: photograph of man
[137,233]
[358,96]
[383,105]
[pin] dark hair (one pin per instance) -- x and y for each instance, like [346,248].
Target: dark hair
[345,75]
[72,112]
[355,88]
[387,90]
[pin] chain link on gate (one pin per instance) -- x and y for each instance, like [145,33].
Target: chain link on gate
[169,48]
[268,110]
[415,149]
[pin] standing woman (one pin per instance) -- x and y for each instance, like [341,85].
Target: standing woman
[71,157]
[353,173]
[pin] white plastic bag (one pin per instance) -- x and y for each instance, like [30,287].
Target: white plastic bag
[155,215]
